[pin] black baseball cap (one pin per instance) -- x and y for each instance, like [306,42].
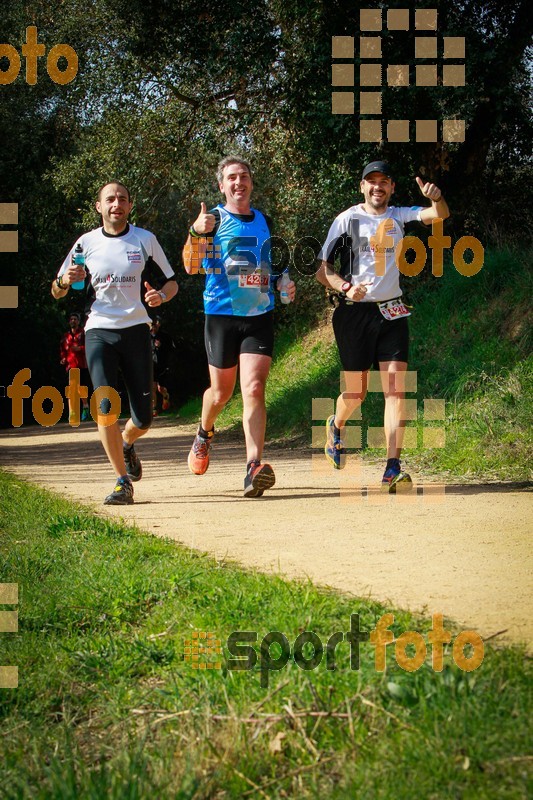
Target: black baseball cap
[377,166]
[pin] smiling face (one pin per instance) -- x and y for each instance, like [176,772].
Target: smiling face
[377,189]
[114,205]
[237,186]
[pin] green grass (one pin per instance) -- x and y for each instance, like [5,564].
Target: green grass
[107,707]
[471,343]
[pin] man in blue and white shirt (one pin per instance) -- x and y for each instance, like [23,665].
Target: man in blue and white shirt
[238,304]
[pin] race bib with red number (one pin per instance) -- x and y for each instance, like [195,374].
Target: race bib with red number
[394,309]
[254,280]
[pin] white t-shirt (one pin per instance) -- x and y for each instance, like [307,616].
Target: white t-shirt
[117,267]
[358,261]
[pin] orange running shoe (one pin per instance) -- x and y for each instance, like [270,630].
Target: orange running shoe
[258,478]
[198,459]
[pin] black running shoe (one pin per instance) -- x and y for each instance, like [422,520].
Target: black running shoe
[134,467]
[122,494]
[258,478]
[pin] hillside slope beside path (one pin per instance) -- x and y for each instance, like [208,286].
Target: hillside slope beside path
[465,553]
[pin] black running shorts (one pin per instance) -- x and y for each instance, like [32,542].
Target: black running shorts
[365,338]
[130,351]
[226,337]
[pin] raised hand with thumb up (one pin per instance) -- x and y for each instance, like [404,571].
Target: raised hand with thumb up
[153,297]
[204,222]
[429,190]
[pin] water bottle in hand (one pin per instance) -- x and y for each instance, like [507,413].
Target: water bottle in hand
[283,294]
[79,258]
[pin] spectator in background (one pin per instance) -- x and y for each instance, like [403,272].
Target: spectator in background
[162,348]
[72,355]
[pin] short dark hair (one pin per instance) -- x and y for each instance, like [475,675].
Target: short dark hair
[231,160]
[108,183]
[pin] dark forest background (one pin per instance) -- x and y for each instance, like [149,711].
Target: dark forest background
[166,88]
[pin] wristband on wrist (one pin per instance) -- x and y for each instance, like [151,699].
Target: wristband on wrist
[346,286]
[162,295]
[193,233]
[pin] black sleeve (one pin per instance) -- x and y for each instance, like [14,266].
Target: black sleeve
[155,276]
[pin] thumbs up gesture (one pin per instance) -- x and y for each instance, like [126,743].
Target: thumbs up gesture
[429,190]
[152,297]
[204,222]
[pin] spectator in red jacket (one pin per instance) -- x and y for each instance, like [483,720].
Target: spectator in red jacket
[72,355]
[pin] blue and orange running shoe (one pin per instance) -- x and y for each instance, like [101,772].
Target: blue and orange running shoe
[395,479]
[334,450]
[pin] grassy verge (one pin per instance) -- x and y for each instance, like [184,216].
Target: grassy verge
[471,345]
[107,706]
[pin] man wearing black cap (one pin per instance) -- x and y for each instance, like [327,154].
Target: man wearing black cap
[370,322]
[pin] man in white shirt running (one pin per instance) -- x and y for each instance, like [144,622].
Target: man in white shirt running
[120,261]
[370,322]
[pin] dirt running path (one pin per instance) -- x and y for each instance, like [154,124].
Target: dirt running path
[466,553]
